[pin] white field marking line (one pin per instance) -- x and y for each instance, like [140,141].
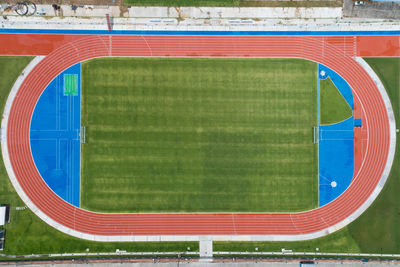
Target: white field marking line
[110,45]
[318,128]
[336,139]
[234,223]
[207,57]
[74,47]
[362,106]
[214,252]
[322,130]
[50,139]
[210,57]
[384,95]
[295,226]
[343,119]
[80,132]
[344,46]
[57,80]
[310,254]
[367,126]
[188,237]
[366,119]
[148,46]
[326,178]
[322,218]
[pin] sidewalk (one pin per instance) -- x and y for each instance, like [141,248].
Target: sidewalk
[174,24]
[187,12]
[191,18]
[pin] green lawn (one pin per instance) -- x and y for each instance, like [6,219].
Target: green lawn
[333,106]
[377,229]
[234,3]
[199,135]
[178,3]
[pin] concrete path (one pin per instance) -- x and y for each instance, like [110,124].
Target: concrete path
[190,24]
[187,12]
[372,9]
[194,18]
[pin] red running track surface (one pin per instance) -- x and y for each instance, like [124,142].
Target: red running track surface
[309,47]
[43,44]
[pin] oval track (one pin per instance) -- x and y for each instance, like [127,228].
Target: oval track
[288,224]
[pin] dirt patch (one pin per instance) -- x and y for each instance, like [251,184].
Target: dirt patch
[123,11]
[180,17]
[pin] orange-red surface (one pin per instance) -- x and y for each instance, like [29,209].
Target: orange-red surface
[330,52]
[33,44]
[378,46]
[43,44]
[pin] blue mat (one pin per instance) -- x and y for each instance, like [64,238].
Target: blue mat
[335,146]
[55,138]
[358,123]
[154,32]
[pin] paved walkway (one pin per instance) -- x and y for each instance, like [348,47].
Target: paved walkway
[372,9]
[14,22]
[188,12]
[194,18]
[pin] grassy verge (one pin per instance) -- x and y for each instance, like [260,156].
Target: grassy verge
[27,234]
[178,3]
[306,3]
[334,107]
[233,3]
[199,135]
[376,230]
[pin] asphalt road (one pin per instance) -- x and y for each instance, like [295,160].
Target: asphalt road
[386,10]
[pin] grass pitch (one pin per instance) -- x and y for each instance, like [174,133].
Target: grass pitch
[334,107]
[199,135]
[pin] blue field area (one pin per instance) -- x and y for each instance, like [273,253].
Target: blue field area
[156,32]
[55,137]
[335,146]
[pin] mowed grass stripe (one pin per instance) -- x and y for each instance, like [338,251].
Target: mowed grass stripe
[199,135]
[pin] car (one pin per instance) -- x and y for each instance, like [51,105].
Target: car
[359,3]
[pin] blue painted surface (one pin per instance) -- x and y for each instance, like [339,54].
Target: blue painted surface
[339,82]
[329,134]
[335,146]
[358,123]
[55,140]
[120,32]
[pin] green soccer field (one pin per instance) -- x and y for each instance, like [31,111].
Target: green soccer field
[199,135]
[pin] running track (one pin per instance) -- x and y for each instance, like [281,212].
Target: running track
[315,48]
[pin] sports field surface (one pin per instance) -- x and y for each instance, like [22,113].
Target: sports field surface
[375,231]
[98,224]
[199,135]
[334,107]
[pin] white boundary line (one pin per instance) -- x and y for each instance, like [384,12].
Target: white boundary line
[103,238]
